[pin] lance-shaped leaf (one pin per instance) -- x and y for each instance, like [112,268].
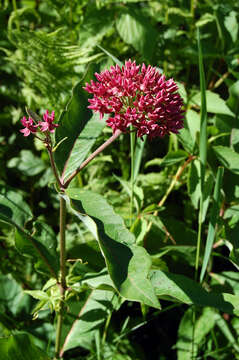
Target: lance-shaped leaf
[76,133]
[128,264]
[42,246]
[180,288]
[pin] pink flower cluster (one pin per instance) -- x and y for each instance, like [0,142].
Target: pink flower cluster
[31,126]
[139,96]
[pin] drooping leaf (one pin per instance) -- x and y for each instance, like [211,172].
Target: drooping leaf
[181,288]
[90,313]
[20,347]
[128,264]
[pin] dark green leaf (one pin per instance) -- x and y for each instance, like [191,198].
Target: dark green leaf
[181,288]
[71,124]
[128,264]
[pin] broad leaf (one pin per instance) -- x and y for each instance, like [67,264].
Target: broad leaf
[188,336]
[90,313]
[42,247]
[228,157]
[72,122]
[20,347]
[128,264]
[183,289]
[13,210]
[215,104]
[137,31]
[27,163]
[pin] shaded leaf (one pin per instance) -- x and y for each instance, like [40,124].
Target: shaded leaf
[20,347]
[128,264]
[183,289]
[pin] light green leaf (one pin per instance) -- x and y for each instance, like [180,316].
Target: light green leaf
[38,294]
[215,104]
[128,264]
[231,24]
[187,336]
[27,163]
[138,32]
[20,347]
[228,157]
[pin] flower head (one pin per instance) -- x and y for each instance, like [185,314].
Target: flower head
[33,125]
[139,96]
[29,126]
[47,124]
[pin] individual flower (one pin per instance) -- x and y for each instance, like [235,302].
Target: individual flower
[32,125]
[47,124]
[29,126]
[139,96]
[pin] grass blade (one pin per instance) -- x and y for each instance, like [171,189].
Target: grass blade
[202,146]
[213,221]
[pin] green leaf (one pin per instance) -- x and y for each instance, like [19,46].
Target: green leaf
[27,163]
[193,124]
[186,140]
[215,104]
[183,289]
[212,221]
[228,157]
[188,336]
[71,124]
[84,143]
[20,347]
[231,24]
[13,210]
[137,31]
[41,246]
[173,157]
[12,295]
[128,264]
[90,313]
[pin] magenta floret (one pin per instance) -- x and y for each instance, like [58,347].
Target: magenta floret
[139,96]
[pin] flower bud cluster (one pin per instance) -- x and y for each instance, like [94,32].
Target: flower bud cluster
[31,126]
[137,96]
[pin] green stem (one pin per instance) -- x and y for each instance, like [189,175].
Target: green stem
[199,237]
[92,156]
[132,146]
[62,284]
[14,4]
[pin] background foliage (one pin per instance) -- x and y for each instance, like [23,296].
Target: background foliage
[47,47]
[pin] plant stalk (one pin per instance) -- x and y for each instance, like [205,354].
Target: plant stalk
[92,156]
[62,276]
